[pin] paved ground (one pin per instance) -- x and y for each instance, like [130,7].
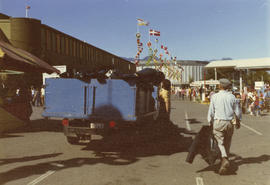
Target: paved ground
[39,154]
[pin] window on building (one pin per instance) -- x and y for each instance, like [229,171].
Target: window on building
[49,41]
[43,38]
[67,46]
[80,46]
[92,54]
[70,47]
[86,54]
[77,49]
[53,41]
[58,43]
[62,45]
[74,48]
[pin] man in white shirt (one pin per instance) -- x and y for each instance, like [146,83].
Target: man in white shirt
[223,109]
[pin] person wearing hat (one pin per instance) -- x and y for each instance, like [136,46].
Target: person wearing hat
[224,109]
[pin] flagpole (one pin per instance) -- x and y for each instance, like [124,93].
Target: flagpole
[26,11]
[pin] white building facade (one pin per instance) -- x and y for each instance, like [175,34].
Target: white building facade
[190,70]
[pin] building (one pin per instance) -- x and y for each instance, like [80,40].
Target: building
[58,48]
[190,70]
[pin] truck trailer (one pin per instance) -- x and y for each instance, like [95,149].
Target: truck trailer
[98,106]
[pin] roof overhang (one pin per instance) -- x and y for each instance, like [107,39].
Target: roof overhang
[252,64]
[16,59]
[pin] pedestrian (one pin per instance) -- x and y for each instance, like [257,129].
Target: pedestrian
[183,92]
[165,100]
[42,95]
[190,94]
[223,110]
[266,97]
[37,97]
[244,102]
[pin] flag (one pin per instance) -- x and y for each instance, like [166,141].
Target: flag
[141,22]
[154,32]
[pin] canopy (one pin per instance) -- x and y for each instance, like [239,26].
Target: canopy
[12,58]
[255,64]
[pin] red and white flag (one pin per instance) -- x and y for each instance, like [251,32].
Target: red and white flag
[154,32]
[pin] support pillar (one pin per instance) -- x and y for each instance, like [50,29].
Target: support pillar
[215,73]
[240,81]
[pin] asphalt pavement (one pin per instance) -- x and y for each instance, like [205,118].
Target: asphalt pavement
[40,154]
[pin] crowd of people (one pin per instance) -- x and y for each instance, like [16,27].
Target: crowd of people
[253,102]
[191,93]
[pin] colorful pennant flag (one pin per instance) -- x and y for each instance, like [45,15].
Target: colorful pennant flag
[141,22]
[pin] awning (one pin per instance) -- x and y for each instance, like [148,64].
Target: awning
[12,58]
[255,64]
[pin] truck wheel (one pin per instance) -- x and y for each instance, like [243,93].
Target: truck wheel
[73,140]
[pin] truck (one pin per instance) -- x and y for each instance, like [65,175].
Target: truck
[100,105]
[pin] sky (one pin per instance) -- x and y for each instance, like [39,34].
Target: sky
[191,29]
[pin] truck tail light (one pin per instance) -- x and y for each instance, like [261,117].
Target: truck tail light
[65,122]
[112,124]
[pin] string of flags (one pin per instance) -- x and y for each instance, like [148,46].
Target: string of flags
[163,64]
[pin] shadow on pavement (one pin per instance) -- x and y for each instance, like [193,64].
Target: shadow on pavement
[236,162]
[123,148]
[28,158]
[42,168]
[7,135]
[193,121]
[37,126]
[25,171]
[149,140]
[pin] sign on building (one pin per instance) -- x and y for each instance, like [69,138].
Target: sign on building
[259,85]
[62,69]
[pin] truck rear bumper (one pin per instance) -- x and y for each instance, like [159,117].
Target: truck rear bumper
[76,131]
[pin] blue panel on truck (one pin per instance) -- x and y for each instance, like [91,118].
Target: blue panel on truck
[64,98]
[71,98]
[114,100]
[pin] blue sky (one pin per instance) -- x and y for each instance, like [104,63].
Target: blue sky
[191,29]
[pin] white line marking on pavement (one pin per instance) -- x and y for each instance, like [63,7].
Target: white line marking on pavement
[57,165]
[251,129]
[40,178]
[199,181]
[187,121]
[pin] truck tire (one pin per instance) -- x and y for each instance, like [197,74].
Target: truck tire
[73,140]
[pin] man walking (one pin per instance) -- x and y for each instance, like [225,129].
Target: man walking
[223,109]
